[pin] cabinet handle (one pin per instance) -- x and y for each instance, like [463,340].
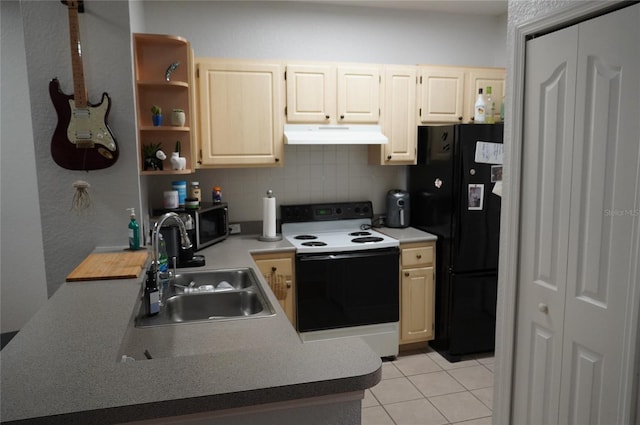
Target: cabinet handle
[459,118]
[277,159]
[273,269]
[543,308]
[407,274]
[327,116]
[419,256]
[288,285]
[389,158]
[341,117]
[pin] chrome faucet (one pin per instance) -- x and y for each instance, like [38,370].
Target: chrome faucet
[185,242]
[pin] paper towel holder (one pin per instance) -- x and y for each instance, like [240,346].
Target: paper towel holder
[264,237]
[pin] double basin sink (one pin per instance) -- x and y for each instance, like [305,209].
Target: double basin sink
[211,295]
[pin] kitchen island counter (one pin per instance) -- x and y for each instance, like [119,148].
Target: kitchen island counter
[64,366]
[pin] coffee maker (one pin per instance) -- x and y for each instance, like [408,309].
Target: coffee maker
[397,208]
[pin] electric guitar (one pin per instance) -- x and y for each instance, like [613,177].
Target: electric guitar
[82,139]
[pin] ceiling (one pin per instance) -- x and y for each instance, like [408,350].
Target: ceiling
[468,7]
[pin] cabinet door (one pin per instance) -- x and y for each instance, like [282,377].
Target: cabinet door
[241,113]
[399,115]
[278,272]
[482,78]
[311,93]
[417,305]
[358,94]
[441,94]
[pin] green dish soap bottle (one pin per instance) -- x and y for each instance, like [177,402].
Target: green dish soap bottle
[134,231]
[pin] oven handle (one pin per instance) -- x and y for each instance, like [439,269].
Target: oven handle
[348,254]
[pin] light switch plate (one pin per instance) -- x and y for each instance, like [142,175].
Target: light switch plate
[234,228]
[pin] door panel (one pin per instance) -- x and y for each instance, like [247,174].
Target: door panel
[604,222]
[546,188]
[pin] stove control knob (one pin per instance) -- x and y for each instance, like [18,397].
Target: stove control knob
[338,210]
[365,209]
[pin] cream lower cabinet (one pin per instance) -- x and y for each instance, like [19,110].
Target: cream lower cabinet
[278,271]
[241,112]
[398,117]
[448,94]
[417,292]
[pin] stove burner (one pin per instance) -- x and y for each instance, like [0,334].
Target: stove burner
[366,239]
[314,243]
[305,237]
[359,233]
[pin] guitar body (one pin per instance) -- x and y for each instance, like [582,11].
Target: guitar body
[82,139]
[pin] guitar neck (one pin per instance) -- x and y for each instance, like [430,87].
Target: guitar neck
[79,89]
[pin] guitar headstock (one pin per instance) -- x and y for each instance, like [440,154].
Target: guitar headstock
[74,4]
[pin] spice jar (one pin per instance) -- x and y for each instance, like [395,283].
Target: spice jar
[194,191]
[217,194]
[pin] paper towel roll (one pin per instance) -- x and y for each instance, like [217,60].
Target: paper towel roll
[269,217]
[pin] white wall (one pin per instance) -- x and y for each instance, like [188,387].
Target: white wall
[290,30]
[104,30]
[23,282]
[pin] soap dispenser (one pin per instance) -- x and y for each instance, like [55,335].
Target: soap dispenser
[134,231]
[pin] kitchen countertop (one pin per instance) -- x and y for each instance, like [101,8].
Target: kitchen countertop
[64,367]
[407,234]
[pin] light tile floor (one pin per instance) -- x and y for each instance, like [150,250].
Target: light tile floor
[423,388]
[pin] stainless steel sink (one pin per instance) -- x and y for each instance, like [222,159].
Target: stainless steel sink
[218,279]
[184,308]
[210,296]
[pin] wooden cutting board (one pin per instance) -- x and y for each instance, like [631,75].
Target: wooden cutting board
[109,265]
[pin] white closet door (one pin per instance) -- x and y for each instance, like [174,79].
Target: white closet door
[604,222]
[546,192]
[578,286]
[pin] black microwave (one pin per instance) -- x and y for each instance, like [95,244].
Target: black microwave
[206,225]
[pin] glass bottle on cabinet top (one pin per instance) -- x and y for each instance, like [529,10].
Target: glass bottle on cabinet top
[164,80]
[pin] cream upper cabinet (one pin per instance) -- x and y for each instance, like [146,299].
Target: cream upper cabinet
[441,94]
[241,112]
[398,117]
[311,93]
[333,93]
[482,78]
[448,94]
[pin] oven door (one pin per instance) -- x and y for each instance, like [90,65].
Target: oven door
[337,290]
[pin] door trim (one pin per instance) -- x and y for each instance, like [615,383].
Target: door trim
[506,313]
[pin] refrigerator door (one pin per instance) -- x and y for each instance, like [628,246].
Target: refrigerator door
[476,208]
[431,181]
[473,313]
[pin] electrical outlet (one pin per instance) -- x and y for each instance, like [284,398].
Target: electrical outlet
[234,228]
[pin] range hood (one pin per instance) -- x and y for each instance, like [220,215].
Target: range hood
[303,134]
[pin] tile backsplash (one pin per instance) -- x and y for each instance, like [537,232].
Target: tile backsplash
[310,174]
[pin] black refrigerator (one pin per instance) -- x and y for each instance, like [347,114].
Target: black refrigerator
[455,192]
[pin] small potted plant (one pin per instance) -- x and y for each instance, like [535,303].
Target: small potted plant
[153,156]
[178,162]
[178,117]
[156,115]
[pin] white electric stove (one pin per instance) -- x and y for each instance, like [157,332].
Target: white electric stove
[347,274]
